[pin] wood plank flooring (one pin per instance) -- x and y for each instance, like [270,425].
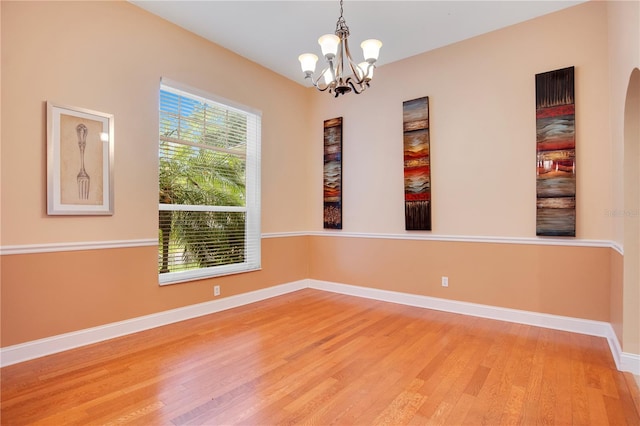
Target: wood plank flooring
[314,357]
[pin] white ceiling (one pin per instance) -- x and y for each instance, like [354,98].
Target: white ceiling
[274,33]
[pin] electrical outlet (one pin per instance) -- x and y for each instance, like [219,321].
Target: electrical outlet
[445,281]
[216,290]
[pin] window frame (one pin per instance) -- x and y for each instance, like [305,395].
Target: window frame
[252,208]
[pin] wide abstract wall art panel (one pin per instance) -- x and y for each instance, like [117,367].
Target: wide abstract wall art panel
[417,165]
[333,173]
[556,154]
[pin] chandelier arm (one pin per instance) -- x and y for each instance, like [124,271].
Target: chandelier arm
[321,89]
[367,72]
[361,87]
[316,82]
[354,67]
[340,60]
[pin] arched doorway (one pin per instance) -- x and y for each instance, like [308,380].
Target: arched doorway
[631,287]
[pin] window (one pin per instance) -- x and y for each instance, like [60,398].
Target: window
[209,186]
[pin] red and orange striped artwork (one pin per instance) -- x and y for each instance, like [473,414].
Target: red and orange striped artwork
[556,154]
[417,164]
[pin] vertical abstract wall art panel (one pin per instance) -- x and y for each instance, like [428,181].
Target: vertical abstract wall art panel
[556,154]
[417,165]
[333,173]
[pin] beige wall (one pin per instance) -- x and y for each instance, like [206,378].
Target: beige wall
[110,56]
[47,294]
[616,293]
[568,281]
[483,131]
[482,115]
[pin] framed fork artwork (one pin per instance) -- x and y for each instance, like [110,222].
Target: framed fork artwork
[79,161]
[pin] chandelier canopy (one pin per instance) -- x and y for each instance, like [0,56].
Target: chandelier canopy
[335,49]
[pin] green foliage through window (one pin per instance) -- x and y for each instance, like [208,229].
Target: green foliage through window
[203,160]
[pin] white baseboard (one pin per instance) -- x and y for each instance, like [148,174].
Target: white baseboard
[38,348]
[629,362]
[624,361]
[50,345]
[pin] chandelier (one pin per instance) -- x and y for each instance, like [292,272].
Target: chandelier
[335,49]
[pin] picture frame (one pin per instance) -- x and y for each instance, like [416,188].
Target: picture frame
[80,152]
[417,164]
[332,174]
[556,181]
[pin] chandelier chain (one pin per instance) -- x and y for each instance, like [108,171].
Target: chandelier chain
[341,25]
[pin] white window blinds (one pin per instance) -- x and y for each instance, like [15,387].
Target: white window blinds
[209,186]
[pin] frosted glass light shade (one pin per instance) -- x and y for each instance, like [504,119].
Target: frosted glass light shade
[329,45]
[329,77]
[371,49]
[365,70]
[308,62]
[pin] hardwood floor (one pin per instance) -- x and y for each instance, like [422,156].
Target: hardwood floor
[314,357]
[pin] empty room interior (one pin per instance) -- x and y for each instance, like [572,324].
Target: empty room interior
[360,265]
